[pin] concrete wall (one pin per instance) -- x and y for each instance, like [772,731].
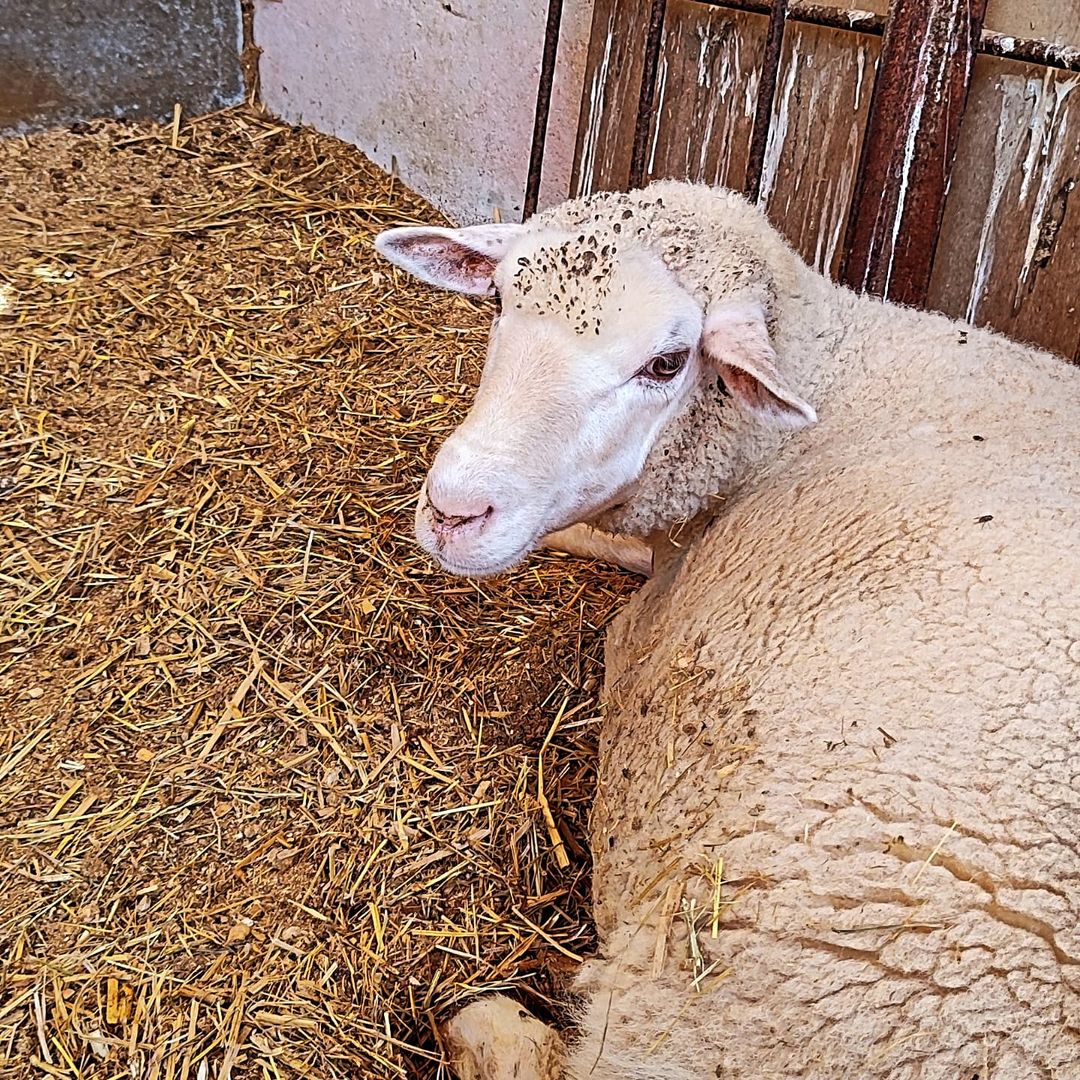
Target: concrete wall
[443,90]
[68,60]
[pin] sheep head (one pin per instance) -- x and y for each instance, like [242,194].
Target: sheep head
[597,349]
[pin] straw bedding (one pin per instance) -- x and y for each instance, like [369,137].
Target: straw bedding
[275,796]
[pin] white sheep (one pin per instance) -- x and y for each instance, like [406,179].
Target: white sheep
[837,826]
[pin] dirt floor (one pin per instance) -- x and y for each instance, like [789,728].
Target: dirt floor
[271,802]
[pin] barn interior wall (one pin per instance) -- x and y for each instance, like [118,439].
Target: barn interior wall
[64,62]
[443,91]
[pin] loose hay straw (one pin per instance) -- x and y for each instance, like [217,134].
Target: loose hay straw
[270,793]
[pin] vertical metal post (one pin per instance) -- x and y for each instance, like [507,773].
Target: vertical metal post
[910,146]
[645,112]
[770,66]
[543,107]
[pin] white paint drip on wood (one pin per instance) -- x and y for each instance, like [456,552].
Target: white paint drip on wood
[1033,112]
[857,17]
[661,92]
[729,71]
[596,110]
[705,66]
[828,96]
[1054,146]
[861,60]
[819,249]
[922,80]
[750,97]
[731,119]
[704,73]
[910,144]
[778,129]
[1036,92]
[838,204]
[706,139]
[1010,133]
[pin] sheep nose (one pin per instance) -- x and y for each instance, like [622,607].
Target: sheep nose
[454,514]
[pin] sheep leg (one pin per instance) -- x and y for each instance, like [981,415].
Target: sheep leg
[588,543]
[496,1039]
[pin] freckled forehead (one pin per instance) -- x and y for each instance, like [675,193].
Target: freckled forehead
[570,278]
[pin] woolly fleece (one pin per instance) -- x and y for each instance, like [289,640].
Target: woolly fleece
[859,688]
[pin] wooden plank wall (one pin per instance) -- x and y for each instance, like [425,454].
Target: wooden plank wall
[819,115]
[706,92]
[1010,242]
[706,87]
[610,102]
[1009,253]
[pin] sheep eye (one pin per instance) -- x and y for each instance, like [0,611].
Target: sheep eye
[665,367]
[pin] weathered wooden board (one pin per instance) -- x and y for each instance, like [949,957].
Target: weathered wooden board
[1009,251]
[1052,20]
[912,134]
[612,89]
[819,114]
[706,90]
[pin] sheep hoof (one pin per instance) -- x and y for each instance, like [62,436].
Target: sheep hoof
[496,1039]
[587,542]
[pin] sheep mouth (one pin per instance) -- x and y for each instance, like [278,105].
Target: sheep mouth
[488,569]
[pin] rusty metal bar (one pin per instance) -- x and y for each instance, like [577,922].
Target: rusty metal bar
[867,22]
[910,146]
[770,66]
[543,108]
[1031,51]
[646,109]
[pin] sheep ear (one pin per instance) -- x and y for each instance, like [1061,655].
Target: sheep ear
[463,260]
[736,341]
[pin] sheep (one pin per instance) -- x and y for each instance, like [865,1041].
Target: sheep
[837,824]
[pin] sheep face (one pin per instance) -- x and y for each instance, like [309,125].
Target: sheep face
[596,349]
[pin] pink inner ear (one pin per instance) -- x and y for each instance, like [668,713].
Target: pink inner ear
[451,261]
[737,341]
[747,388]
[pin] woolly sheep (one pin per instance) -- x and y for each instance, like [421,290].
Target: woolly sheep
[837,826]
